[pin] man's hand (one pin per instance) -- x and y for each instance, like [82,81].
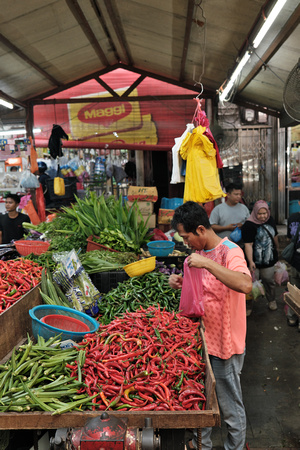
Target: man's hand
[252,266]
[233,226]
[196,260]
[175,281]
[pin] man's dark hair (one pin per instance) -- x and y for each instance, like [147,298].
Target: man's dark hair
[232,186]
[190,215]
[15,197]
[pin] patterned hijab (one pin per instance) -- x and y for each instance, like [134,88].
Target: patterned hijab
[258,205]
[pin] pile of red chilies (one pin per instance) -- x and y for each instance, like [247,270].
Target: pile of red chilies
[147,360]
[17,277]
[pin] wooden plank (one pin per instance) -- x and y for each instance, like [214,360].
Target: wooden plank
[292,303]
[161,419]
[15,322]
[210,382]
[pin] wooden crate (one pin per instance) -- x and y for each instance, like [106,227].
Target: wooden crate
[292,298]
[160,419]
[15,322]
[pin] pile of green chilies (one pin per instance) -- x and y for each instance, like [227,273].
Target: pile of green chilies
[143,291]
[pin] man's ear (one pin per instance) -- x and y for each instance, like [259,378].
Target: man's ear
[200,229]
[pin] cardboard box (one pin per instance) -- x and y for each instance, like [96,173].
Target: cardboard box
[142,194]
[151,222]
[165,216]
[145,208]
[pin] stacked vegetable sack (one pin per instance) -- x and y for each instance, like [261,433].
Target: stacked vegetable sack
[144,356]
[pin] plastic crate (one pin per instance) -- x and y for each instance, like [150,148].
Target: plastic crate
[294,207]
[171,203]
[70,189]
[95,246]
[178,261]
[106,281]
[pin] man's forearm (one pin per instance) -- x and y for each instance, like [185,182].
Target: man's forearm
[219,228]
[238,281]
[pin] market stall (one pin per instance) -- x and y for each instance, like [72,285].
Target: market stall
[99,281]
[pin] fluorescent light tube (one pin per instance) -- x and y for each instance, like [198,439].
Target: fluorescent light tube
[17,131]
[257,40]
[268,22]
[6,104]
[234,76]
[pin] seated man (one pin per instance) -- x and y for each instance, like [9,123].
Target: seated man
[11,228]
[226,216]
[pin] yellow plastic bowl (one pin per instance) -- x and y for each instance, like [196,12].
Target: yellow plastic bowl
[140,267]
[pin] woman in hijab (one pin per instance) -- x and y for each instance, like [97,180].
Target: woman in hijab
[260,235]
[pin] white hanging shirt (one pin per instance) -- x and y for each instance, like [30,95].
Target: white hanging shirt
[176,158]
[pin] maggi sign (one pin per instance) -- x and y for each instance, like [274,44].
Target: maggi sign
[103,118]
[106,113]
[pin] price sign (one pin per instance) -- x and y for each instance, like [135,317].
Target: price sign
[71,263]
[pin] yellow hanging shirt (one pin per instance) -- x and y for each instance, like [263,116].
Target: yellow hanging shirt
[202,183]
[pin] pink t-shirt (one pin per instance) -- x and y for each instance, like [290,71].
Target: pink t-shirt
[224,309]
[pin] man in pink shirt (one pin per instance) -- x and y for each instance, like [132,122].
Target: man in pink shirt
[225,280]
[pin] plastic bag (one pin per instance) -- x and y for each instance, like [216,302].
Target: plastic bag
[78,288]
[40,203]
[158,235]
[33,158]
[31,211]
[28,180]
[281,275]
[24,200]
[236,235]
[191,300]
[258,289]
[59,186]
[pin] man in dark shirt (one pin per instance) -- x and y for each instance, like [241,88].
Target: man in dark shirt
[11,223]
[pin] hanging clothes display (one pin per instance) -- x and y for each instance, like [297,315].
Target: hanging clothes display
[177,173]
[202,183]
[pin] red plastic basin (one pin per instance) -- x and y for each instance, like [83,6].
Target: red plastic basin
[65,323]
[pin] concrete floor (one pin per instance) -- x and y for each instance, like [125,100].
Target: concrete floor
[270,380]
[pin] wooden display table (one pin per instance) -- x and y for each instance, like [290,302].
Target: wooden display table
[15,323]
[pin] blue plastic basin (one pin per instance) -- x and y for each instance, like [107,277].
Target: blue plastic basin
[160,248]
[46,331]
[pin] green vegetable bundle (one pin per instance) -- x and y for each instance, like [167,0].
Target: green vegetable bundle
[91,216]
[95,214]
[144,291]
[104,261]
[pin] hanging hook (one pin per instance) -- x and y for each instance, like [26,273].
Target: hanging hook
[200,93]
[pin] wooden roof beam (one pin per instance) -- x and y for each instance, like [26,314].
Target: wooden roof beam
[80,17]
[187,34]
[133,86]
[141,98]
[208,93]
[112,10]
[107,87]
[29,61]
[98,12]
